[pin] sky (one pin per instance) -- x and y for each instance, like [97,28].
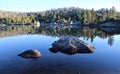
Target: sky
[42,5]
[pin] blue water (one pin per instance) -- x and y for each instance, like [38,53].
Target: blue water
[105,59]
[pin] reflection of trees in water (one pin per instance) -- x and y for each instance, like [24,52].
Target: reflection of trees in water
[110,30]
[110,40]
[15,30]
[89,33]
[86,33]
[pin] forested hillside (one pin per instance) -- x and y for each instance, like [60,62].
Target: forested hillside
[61,15]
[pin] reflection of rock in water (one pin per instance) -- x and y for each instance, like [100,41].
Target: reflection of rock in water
[71,45]
[111,30]
[30,54]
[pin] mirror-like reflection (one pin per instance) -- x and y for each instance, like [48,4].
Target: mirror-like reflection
[86,32]
[105,59]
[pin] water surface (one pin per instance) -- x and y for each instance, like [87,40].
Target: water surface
[105,59]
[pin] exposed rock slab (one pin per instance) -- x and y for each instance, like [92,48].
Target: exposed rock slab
[71,45]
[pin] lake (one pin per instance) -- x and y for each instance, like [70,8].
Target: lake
[105,59]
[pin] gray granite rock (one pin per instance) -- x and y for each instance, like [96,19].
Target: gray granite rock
[71,45]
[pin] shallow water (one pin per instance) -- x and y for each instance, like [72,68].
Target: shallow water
[105,59]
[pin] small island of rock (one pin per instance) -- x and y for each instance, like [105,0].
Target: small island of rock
[30,54]
[71,45]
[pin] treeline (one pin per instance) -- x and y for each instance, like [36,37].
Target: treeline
[62,15]
[17,18]
[84,16]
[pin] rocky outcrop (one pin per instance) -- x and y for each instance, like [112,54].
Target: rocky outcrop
[71,45]
[30,54]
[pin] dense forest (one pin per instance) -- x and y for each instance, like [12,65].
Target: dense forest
[61,15]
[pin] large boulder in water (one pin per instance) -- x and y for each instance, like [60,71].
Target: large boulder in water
[71,45]
[30,54]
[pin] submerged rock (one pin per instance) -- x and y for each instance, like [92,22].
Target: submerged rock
[30,54]
[71,45]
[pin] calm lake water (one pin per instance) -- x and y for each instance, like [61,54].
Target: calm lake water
[105,59]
